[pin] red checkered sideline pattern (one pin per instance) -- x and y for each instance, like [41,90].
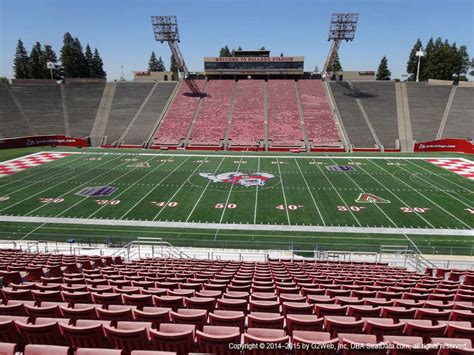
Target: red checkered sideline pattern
[458,166]
[16,165]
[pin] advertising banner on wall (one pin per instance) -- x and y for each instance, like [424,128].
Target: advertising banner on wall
[38,141]
[445,145]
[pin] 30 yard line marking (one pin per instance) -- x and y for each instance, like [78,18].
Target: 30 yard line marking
[338,194]
[154,188]
[419,193]
[310,192]
[52,187]
[43,176]
[178,190]
[203,192]
[283,190]
[256,196]
[396,196]
[228,198]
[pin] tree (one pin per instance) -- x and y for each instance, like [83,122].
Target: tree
[382,72]
[161,64]
[67,56]
[263,48]
[35,65]
[20,61]
[89,61]
[472,67]
[173,65]
[462,64]
[97,66]
[412,63]
[50,56]
[240,48]
[281,54]
[336,64]
[225,52]
[153,64]
[80,59]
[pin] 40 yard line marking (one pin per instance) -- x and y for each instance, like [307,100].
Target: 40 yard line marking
[283,190]
[52,187]
[310,192]
[419,193]
[154,188]
[182,185]
[203,192]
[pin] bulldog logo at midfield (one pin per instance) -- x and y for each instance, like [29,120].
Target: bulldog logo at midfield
[255,179]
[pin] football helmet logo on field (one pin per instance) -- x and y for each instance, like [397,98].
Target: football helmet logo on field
[255,179]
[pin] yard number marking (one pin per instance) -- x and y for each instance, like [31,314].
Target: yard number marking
[108,202]
[351,208]
[290,207]
[222,205]
[414,209]
[4,198]
[51,200]
[164,203]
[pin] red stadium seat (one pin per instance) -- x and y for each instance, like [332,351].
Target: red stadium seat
[258,336]
[92,336]
[303,322]
[36,349]
[227,319]
[178,338]
[218,340]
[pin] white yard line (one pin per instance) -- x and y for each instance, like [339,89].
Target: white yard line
[440,176]
[362,190]
[233,226]
[110,182]
[256,196]
[129,187]
[203,192]
[153,189]
[283,190]
[265,156]
[426,198]
[179,189]
[52,187]
[338,194]
[310,192]
[395,195]
[436,187]
[43,176]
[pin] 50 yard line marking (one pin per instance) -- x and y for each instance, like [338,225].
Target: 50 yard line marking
[310,192]
[203,192]
[419,193]
[256,196]
[154,188]
[52,187]
[283,190]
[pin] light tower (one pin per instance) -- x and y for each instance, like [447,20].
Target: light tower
[342,28]
[165,29]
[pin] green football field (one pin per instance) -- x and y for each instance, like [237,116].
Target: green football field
[232,197]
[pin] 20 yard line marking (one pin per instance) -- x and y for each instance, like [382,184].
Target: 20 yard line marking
[182,185]
[310,192]
[154,188]
[203,192]
[283,190]
[338,194]
[52,187]
[256,195]
[419,193]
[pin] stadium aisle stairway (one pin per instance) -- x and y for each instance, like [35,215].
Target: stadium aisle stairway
[53,304]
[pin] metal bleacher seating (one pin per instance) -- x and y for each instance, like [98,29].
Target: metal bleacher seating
[13,123]
[460,122]
[94,304]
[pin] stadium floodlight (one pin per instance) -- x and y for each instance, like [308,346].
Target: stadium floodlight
[419,53]
[165,29]
[342,28]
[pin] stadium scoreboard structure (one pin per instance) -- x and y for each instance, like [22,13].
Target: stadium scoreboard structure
[254,63]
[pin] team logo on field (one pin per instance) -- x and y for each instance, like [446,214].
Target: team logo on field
[340,168]
[370,198]
[256,179]
[139,165]
[97,191]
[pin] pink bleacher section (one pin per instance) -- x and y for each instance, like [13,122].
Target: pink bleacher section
[179,116]
[284,127]
[188,305]
[210,125]
[319,122]
[247,123]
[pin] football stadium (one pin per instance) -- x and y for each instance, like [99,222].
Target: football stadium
[240,202]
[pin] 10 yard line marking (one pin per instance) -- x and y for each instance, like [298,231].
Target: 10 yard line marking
[228,198]
[311,194]
[426,198]
[153,189]
[182,185]
[283,190]
[52,187]
[203,192]
[256,196]
[398,198]
[338,194]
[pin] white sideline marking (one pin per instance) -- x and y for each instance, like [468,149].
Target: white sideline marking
[268,156]
[233,226]
[283,190]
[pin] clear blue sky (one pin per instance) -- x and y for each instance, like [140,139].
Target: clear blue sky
[122,32]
